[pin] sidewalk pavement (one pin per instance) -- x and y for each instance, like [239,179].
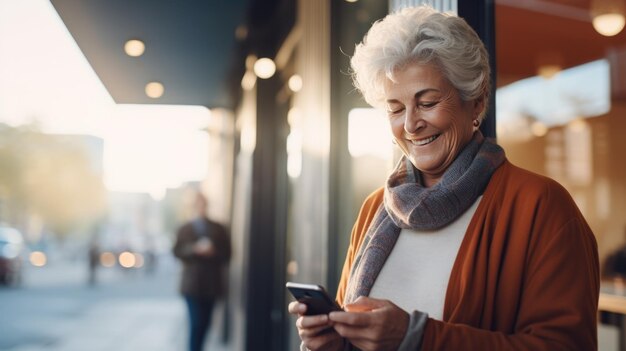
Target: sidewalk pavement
[154,325]
[145,321]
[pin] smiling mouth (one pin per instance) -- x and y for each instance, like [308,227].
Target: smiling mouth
[426,141]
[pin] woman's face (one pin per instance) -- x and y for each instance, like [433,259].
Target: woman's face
[430,122]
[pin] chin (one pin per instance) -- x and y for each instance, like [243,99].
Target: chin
[426,166]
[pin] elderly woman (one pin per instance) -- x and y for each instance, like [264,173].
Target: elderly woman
[460,250]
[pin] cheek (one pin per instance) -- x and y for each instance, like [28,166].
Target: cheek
[454,120]
[460,132]
[464,125]
[457,128]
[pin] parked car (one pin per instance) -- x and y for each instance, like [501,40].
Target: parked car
[11,247]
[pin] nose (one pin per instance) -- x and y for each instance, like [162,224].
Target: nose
[413,121]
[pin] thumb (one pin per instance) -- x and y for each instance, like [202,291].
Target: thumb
[364,304]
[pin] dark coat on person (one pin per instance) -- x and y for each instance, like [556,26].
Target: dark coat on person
[202,276]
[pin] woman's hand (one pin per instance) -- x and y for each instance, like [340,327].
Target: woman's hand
[374,324]
[316,332]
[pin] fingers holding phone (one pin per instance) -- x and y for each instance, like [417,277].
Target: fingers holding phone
[315,298]
[372,324]
[312,306]
[315,331]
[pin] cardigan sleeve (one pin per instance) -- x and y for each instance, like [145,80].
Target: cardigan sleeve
[555,291]
[558,307]
[366,215]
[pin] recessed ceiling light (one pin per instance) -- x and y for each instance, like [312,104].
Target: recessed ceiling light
[295,83]
[134,47]
[248,80]
[608,16]
[264,68]
[548,71]
[155,90]
[241,32]
[609,24]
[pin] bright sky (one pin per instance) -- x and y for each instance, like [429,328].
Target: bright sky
[46,78]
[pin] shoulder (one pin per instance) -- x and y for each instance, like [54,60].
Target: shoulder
[517,184]
[517,177]
[371,204]
[514,192]
[374,199]
[367,213]
[216,226]
[185,231]
[185,227]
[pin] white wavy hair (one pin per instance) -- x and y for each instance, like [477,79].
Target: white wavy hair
[426,36]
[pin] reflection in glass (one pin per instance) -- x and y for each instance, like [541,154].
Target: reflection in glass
[582,91]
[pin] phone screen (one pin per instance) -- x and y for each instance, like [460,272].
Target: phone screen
[314,297]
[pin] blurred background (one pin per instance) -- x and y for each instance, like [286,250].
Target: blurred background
[112,113]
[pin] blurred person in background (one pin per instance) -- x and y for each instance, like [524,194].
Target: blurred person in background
[12,247]
[460,250]
[203,246]
[150,255]
[93,260]
[614,266]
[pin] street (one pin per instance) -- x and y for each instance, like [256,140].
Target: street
[55,309]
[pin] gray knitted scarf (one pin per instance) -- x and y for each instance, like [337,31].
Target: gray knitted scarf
[408,204]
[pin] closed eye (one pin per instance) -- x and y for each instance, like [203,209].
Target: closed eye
[428,104]
[394,112]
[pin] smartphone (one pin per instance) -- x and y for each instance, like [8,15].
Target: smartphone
[314,297]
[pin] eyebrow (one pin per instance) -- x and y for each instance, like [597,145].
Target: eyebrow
[416,95]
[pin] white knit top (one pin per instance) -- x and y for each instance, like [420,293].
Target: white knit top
[416,273]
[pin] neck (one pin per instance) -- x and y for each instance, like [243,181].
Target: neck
[430,180]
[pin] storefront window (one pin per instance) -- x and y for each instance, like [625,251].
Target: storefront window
[561,106]
[561,112]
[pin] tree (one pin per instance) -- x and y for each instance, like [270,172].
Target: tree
[47,176]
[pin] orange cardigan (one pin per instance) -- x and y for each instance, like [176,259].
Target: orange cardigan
[526,276]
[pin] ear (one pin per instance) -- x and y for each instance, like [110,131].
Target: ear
[479,105]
